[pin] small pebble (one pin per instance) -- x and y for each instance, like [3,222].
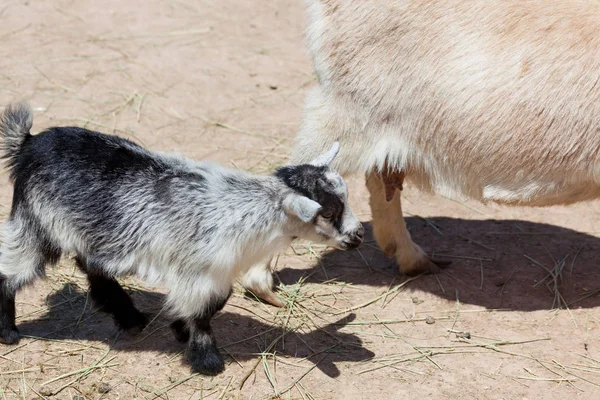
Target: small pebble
[46,392]
[103,387]
[430,320]
[463,335]
[416,300]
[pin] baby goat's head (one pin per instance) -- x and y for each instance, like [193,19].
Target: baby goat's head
[320,200]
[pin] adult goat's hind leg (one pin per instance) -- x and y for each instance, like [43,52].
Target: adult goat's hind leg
[389,227]
[110,297]
[24,254]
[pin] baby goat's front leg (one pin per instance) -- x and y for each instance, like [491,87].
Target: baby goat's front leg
[258,280]
[202,351]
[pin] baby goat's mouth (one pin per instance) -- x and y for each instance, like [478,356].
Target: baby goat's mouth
[351,244]
[353,240]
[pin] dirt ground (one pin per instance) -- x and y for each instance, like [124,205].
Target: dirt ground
[225,80]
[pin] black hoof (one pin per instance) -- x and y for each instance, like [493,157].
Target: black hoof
[9,336]
[205,360]
[180,330]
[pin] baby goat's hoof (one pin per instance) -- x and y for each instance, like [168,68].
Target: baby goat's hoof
[133,322]
[267,296]
[206,359]
[9,336]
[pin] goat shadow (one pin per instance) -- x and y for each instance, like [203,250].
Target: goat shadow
[238,336]
[509,254]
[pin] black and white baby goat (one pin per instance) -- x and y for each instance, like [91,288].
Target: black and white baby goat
[121,209]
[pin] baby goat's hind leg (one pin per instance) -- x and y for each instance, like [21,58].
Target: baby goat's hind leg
[24,254]
[110,297]
[181,330]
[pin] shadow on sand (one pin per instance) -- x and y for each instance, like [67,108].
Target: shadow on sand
[504,249]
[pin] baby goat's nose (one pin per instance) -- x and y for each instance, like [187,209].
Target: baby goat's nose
[355,239]
[360,233]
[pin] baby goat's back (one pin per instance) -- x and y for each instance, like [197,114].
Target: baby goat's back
[110,199]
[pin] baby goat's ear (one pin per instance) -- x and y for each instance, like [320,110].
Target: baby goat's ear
[302,207]
[327,158]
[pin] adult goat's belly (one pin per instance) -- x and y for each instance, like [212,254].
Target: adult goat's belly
[511,165]
[504,189]
[497,101]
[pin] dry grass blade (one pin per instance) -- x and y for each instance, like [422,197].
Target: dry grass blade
[439,283]
[235,129]
[585,296]
[222,395]
[260,359]
[533,378]
[271,346]
[573,260]
[481,268]
[428,352]
[555,275]
[21,371]
[457,313]
[524,233]
[425,354]
[464,257]
[565,368]
[381,296]
[173,385]
[508,280]
[386,321]
[293,384]
[85,370]
[476,243]
[268,373]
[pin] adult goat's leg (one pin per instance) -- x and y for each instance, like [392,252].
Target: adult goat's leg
[389,227]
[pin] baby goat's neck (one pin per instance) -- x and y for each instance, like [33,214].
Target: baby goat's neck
[254,221]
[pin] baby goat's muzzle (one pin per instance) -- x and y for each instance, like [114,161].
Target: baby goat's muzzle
[354,239]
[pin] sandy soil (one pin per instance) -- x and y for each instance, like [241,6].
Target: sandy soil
[225,80]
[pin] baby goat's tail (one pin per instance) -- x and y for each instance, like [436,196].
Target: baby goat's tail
[15,124]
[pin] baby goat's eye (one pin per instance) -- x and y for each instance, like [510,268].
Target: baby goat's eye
[327,214]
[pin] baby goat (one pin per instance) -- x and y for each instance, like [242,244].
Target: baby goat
[121,209]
